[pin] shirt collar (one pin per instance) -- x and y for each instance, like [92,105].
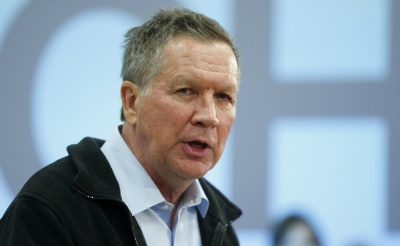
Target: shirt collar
[138,190]
[195,196]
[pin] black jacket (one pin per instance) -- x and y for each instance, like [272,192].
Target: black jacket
[77,201]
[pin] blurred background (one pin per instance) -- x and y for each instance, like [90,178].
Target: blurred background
[317,132]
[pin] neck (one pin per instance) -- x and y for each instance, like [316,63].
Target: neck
[171,193]
[173,196]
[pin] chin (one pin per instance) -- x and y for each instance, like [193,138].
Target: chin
[193,169]
[194,174]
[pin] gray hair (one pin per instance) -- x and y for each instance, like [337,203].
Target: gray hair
[144,45]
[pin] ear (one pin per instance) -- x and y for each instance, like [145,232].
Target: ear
[130,94]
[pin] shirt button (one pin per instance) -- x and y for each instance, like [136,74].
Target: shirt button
[164,207]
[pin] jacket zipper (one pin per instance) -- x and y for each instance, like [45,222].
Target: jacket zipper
[223,234]
[104,198]
[133,230]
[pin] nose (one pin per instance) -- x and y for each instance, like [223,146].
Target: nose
[205,114]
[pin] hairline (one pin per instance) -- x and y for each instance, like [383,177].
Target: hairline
[161,63]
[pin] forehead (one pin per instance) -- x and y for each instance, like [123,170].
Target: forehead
[204,58]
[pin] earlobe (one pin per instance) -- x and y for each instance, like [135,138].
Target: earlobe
[129,95]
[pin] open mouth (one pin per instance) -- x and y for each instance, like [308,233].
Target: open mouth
[198,145]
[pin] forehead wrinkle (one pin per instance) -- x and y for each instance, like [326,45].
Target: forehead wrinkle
[217,66]
[220,76]
[196,81]
[212,67]
[199,70]
[210,60]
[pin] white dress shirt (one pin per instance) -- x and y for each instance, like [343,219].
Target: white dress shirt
[146,202]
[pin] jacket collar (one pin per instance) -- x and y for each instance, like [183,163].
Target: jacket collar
[94,176]
[221,208]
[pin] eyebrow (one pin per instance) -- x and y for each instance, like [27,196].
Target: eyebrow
[182,79]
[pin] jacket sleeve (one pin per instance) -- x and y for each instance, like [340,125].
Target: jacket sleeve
[32,221]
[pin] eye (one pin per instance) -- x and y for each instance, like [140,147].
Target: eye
[224,97]
[185,91]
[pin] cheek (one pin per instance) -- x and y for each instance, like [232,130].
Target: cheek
[223,134]
[172,118]
[163,120]
[225,126]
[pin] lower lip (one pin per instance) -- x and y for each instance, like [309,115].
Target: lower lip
[195,152]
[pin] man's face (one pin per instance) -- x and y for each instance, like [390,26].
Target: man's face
[183,123]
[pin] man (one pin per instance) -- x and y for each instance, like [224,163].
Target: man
[144,184]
